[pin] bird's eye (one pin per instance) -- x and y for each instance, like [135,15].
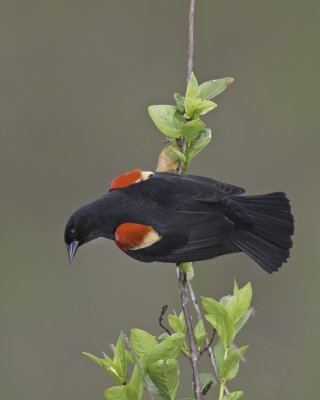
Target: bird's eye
[72,233]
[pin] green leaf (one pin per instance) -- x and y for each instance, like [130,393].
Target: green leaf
[165,119]
[180,101]
[203,107]
[200,334]
[220,319]
[168,348]
[205,379]
[233,372]
[142,342]
[239,303]
[218,352]
[192,128]
[177,324]
[136,382]
[181,316]
[120,393]
[230,365]
[233,395]
[108,365]
[223,324]
[209,90]
[120,359]
[100,361]
[165,376]
[200,142]
[192,88]
[242,321]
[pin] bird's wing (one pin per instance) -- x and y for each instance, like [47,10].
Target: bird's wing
[201,236]
[226,188]
[191,186]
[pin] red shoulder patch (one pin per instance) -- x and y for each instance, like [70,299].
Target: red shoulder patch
[126,179]
[129,178]
[131,236]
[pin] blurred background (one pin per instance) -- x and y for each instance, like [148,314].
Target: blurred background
[76,80]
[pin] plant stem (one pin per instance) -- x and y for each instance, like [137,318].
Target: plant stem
[194,353]
[181,167]
[186,153]
[221,391]
[190,51]
[223,381]
[183,279]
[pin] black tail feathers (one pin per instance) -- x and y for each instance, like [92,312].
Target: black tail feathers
[268,242]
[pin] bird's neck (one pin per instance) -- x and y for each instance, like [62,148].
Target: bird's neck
[108,213]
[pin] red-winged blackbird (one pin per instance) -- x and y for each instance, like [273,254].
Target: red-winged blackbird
[175,218]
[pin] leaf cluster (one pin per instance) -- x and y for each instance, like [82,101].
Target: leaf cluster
[147,362]
[154,365]
[182,121]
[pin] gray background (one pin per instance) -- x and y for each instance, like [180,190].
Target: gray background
[76,79]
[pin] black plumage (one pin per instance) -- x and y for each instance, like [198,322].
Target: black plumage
[197,218]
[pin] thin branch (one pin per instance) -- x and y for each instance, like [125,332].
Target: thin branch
[163,311]
[194,353]
[183,280]
[191,41]
[200,318]
[189,70]
[127,341]
[183,288]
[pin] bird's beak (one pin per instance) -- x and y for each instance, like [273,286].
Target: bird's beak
[72,248]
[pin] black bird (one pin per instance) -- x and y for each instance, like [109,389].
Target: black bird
[175,218]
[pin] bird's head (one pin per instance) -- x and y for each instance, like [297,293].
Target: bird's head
[96,219]
[80,229]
